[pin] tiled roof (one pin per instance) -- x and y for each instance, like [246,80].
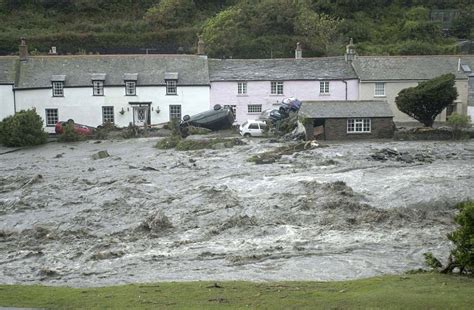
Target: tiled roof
[344,109]
[7,69]
[280,69]
[79,70]
[384,68]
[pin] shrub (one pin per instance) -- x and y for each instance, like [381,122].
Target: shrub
[69,135]
[22,129]
[425,101]
[168,143]
[458,122]
[462,255]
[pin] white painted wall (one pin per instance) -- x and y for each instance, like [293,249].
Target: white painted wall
[7,103]
[79,103]
[392,88]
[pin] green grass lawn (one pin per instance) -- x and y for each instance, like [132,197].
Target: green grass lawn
[420,291]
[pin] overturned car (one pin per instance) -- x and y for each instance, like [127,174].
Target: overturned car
[216,119]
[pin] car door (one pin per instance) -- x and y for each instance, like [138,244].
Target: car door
[253,129]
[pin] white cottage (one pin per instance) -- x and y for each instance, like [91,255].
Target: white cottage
[121,89]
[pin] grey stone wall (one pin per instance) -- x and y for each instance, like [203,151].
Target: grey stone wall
[470,94]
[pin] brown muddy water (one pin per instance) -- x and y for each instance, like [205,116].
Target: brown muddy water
[147,215]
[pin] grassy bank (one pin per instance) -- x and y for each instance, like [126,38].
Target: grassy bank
[402,291]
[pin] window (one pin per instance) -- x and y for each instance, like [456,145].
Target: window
[98,88]
[324,88]
[58,89]
[232,107]
[253,126]
[242,88]
[379,89]
[254,108]
[51,117]
[277,88]
[107,115]
[130,88]
[171,87]
[358,125]
[175,112]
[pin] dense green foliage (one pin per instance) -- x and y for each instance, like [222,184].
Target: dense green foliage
[463,239]
[414,291]
[237,28]
[22,129]
[426,100]
[69,135]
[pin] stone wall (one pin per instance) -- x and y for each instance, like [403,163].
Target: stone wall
[336,129]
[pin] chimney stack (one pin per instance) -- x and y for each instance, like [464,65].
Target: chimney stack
[298,51]
[201,49]
[23,50]
[350,51]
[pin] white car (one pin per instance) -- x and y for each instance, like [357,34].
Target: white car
[253,128]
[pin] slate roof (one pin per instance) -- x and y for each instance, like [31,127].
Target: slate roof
[7,69]
[327,68]
[37,71]
[385,68]
[344,109]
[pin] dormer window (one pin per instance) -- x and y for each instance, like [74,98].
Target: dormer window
[130,80]
[130,88]
[57,83]
[98,88]
[58,89]
[171,80]
[171,87]
[98,84]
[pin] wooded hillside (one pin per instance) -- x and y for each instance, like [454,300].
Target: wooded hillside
[236,28]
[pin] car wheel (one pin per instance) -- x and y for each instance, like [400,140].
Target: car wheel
[217,107]
[186,118]
[247,135]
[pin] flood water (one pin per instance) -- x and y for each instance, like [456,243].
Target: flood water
[148,215]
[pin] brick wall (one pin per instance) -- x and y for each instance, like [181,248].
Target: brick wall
[336,129]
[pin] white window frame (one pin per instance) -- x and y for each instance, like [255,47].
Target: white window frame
[379,89]
[324,88]
[58,89]
[254,108]
[98,88]
[242,88]
[130,88]
[171,87]
[359,125]
[51,117]
[174,113]
[108,115]
[276,88]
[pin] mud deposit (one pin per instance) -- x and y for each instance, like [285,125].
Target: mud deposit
[143,214]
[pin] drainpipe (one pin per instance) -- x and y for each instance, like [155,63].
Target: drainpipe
[14,100]
[345,82]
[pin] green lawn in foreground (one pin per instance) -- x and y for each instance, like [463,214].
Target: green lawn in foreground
[423,291]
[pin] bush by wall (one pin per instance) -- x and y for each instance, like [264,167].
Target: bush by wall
[22,129]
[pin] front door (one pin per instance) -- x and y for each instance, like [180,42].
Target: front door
[140,115]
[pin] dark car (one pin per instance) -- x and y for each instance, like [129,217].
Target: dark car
[272,115]
[215,119]
[78,128]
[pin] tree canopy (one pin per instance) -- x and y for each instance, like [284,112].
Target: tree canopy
[237,28]
[427,100]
